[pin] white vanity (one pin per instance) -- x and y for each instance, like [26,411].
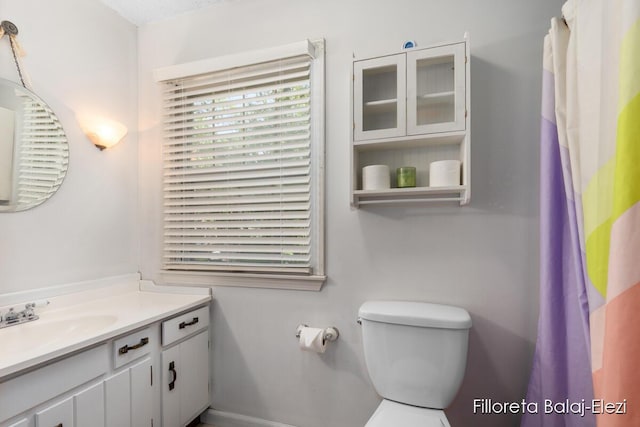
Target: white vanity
[125,353]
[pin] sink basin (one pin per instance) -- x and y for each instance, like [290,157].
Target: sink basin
[73,325]
[45,333]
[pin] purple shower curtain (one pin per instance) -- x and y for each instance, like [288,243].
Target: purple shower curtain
[561,365]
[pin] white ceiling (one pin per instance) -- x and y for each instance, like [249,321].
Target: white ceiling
[143,11]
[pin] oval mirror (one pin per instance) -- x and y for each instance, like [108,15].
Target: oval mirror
[34,153]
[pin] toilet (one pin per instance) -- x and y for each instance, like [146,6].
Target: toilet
[416,355]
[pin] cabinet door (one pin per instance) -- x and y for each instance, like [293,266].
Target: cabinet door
[22,423]
[379,97]
[194,364]
[88,406]
[118,400]
[141,394]
[59,414]
[185,383]
[436,97]
[171,382]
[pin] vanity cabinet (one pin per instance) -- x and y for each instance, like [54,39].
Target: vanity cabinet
[410,109]
[45,397]
[114,383]
[185,367]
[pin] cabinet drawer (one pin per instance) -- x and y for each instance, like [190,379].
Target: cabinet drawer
[132,347]
[184,325]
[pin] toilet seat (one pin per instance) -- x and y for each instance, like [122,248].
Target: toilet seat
[396,414]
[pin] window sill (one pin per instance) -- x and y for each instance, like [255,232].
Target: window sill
[248,280]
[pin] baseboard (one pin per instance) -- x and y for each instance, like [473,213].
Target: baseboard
[230,419]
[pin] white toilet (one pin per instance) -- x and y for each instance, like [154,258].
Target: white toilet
[416,355]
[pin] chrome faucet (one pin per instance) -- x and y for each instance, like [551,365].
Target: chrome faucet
[13,317]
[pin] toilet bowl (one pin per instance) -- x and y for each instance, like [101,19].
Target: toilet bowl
[416,356]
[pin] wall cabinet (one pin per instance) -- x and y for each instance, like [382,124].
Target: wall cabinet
[410,109]
[185,387]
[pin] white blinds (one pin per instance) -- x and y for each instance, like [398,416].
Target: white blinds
[44,154]
[237,170]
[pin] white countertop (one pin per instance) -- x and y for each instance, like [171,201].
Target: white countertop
[79,320]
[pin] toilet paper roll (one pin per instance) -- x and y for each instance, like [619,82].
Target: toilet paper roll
[312,339]
[376,177]
[444,173]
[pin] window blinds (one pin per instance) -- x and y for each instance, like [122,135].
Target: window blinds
[238,176]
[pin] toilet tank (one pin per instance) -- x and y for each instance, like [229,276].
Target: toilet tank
[416,353]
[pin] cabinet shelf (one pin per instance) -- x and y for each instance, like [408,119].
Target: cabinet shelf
[381,102]
[439,101]
[411,195]
[380,106]
[437,95]
[412,141]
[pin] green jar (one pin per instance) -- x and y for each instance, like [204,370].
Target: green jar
[406,176]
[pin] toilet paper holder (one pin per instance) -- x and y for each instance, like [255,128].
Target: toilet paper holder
[330,334]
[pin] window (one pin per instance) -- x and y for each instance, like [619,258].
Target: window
[243,157]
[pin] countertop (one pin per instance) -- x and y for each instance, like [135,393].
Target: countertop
[76,321]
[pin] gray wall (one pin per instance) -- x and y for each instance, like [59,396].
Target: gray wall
[82,59]
[82,56]
[483,257]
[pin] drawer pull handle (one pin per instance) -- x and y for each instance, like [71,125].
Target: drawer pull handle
[185,324]
[172,369]
[125,349]
[59,425]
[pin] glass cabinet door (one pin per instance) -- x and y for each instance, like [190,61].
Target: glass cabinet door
[379,97]
[436,89]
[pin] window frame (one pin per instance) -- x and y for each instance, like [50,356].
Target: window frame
[292,281]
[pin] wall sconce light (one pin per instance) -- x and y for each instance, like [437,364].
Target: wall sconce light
[104,133]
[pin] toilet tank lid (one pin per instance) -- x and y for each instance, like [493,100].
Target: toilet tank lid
[416,314]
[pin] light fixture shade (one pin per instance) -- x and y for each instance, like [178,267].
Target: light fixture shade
[102,132]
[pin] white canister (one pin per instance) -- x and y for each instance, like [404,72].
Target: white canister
[376,177]
[444,173]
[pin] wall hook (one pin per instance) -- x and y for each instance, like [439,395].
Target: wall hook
[9,28]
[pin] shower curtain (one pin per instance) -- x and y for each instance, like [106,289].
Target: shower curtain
[586,368]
